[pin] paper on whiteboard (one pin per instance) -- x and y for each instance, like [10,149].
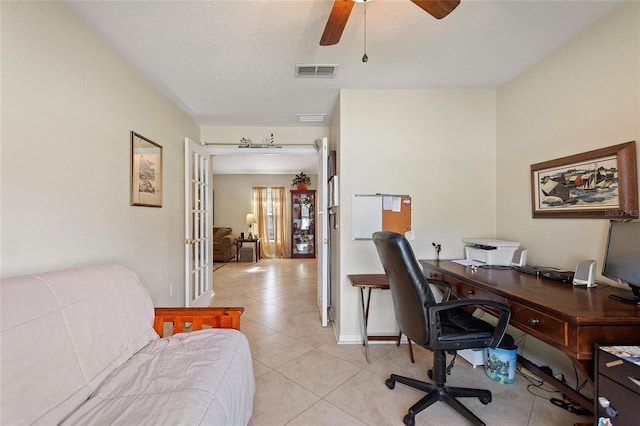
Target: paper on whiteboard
[392,203]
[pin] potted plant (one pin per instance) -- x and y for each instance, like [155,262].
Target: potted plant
[301,181]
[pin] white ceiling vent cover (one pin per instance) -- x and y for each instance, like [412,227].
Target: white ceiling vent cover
[315,71]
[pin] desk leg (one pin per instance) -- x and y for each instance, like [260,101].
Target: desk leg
[238,246]
[365,324]
[365,317]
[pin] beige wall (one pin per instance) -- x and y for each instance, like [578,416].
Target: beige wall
[438,147]
[69,102]
[584,96]
[232,196]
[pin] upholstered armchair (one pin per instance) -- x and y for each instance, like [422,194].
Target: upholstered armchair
[224,244]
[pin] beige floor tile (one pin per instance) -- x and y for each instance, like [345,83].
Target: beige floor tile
[267,293]
[276,350]
[259,368]
[279,400]
[258,311]
[324,414]
[232,300]
[312,335]
[255,331]
[355,353]
[304,378]
[318,371]
[397,361]
[277,318]
[366,397]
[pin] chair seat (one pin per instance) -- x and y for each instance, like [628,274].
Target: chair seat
[455,334]
[458,325]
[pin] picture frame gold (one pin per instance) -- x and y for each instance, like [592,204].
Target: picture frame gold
[598,184]
[146,172]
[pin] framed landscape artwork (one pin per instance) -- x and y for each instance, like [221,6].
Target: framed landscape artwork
[599,184]
[146,172]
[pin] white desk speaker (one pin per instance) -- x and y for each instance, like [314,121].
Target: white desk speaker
[585,273]
[519,257]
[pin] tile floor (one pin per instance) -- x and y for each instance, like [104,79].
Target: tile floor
[304,378]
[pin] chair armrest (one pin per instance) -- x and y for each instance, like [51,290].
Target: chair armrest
[444,286]
[500,328]
[213,317]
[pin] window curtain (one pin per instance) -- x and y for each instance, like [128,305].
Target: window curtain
[277,205]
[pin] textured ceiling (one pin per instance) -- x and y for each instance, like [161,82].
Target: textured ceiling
[232,62]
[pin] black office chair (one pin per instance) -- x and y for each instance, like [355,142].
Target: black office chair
[442,327]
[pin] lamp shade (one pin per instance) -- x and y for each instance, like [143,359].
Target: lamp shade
[250,219]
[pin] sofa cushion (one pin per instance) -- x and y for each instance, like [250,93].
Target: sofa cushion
[63,333]
[219,233]
[203,377]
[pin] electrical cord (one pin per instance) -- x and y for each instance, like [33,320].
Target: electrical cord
[566,402]
[452,363]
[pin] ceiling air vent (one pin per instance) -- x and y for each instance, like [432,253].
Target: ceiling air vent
[316,71]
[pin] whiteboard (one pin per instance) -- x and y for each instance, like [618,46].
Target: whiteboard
[366,216]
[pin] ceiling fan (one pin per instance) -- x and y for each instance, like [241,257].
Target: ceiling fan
[342,9]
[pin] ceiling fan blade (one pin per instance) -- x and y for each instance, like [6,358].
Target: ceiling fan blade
[437,8]
[336,22]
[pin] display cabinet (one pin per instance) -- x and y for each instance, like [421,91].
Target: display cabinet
[303,224]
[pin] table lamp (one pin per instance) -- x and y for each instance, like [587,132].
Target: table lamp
[250,219]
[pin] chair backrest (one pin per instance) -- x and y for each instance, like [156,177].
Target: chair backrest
[410,290]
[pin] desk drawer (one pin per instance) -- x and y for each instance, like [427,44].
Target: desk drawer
[465,290]
[618,370]
[538,323]
[621,399]
[431,273]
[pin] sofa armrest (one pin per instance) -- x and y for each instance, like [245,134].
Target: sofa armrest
[228,240]
[197,317]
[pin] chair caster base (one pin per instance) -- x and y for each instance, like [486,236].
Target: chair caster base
[409,420]
[391,384]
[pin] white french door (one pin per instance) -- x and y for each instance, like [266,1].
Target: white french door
[322,229]
[197,225]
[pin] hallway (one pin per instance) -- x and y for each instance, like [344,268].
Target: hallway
[304,378]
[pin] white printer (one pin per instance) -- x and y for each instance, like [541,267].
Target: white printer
[489,251]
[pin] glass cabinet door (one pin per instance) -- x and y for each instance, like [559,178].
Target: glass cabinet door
[303,226]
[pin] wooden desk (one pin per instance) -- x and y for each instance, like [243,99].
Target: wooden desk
[255,241]
[570,319]
[370,282]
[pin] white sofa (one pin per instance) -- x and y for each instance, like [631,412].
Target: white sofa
[83,346]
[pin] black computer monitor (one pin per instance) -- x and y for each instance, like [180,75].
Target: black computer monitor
[622,259]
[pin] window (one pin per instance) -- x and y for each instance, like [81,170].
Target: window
[270,208]
[270,216]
